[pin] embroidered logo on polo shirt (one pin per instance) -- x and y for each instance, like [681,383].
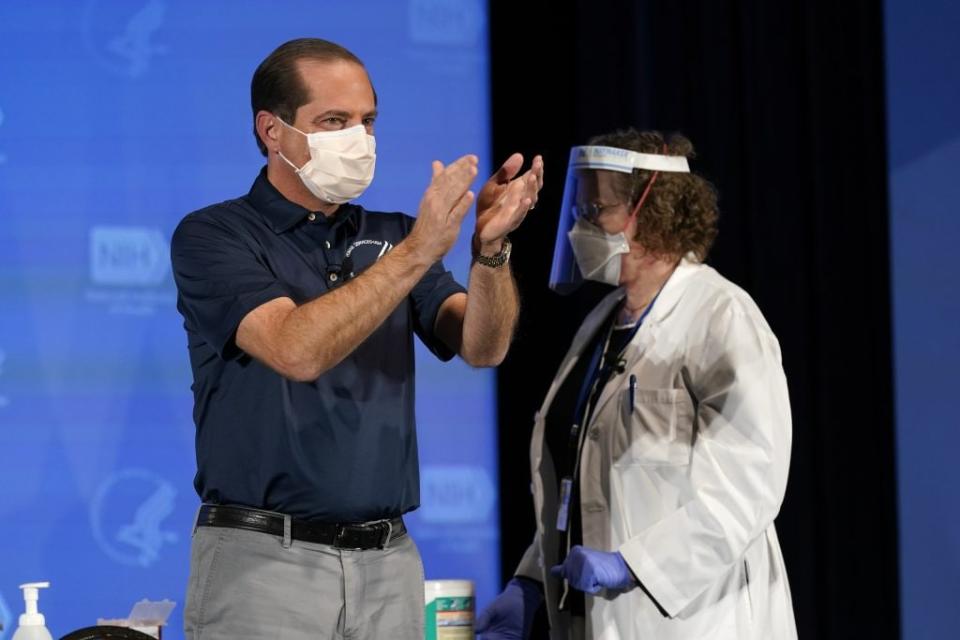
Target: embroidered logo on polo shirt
[382,247]
[363,253]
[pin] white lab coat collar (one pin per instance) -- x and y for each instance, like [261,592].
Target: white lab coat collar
[673,289]
[667,300]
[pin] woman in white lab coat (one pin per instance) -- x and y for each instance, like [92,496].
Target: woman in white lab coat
[660,454]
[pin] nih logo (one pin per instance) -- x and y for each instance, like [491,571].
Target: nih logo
[128,256]
[445,22]
[456,494]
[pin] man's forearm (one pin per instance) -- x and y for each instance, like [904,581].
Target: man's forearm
[491,315]
[317,335]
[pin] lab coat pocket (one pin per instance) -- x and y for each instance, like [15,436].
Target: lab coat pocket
[656,427]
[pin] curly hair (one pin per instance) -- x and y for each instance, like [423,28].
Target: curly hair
[680,213]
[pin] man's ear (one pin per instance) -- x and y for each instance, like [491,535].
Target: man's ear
[268,129]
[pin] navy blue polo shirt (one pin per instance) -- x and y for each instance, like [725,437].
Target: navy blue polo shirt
[342,448]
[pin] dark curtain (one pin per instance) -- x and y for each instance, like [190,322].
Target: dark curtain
[784,102]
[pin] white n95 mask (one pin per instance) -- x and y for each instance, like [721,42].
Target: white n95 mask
[341,163]
[598,253]
[581,250]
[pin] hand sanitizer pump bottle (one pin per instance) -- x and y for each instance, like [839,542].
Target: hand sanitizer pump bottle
[32,624]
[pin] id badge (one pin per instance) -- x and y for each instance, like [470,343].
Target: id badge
[563,513]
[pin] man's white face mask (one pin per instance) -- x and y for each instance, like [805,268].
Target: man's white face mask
[598,253]
[341,163]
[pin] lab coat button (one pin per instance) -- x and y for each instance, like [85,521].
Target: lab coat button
[594,434]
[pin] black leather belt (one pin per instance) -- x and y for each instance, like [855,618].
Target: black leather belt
[359,536]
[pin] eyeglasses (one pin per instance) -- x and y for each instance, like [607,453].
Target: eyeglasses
[591,211]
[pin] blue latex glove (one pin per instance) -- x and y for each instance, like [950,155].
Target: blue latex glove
[510,615]
[590,570]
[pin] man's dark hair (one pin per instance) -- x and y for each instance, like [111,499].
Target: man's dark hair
[277,86]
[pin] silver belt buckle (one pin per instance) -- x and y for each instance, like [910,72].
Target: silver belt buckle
[385,541]
[342,533]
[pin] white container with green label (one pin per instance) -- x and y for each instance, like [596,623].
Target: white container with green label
[449,610]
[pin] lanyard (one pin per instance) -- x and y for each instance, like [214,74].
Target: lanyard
[598,370]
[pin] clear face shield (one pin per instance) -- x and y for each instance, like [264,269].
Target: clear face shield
[595,212]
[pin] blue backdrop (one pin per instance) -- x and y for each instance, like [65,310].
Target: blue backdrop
[923,96]
[116,119]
